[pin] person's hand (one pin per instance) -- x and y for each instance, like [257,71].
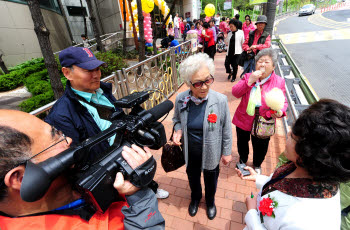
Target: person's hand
[177,137]
[251,202]
[254,77]
[277,114]
[253,47]
[226,159]
[251,177]
[135,156]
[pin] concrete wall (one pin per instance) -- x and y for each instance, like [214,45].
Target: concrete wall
[110,15]
[18,41]
[76,23]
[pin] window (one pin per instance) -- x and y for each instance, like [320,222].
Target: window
[45,4]
[76,11]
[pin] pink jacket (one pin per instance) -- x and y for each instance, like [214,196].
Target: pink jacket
[242,90]
[246,29]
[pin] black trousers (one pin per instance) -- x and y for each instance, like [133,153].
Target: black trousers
[210,181]
[231,61]
[211,50]
[260,147]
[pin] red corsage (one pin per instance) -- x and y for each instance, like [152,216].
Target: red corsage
[267,207]
[212,118]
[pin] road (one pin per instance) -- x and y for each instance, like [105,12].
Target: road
[320,47]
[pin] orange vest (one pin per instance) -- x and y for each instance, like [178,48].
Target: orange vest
[111,219]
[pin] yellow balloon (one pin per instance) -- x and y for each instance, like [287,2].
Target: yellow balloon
[147,6]
[209,10]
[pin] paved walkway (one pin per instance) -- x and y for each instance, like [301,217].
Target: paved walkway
[231,191]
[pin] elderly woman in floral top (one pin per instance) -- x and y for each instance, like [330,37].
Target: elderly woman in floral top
[304,193]
[202,123]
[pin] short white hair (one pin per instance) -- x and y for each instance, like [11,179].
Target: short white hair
[191,65]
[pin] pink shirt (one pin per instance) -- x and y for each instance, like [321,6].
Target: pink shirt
[242,90]
[246,29]
[223,27]
[171,31]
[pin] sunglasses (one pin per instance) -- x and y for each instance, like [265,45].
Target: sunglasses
[207,82]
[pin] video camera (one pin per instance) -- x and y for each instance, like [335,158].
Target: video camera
[95,178]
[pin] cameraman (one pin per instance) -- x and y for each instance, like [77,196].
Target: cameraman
[24,138]
[87,103]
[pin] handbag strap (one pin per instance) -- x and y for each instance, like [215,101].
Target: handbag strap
[172,133]
[256,120]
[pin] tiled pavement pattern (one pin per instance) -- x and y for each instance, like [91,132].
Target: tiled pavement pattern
[231,191]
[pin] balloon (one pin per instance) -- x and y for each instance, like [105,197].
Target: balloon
[147,5]
[209,10]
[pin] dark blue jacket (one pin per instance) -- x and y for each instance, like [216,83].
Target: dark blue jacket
[75,121]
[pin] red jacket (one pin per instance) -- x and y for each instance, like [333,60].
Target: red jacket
[210,40]
[242,90]
[111,219]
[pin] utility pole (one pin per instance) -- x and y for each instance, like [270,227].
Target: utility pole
[124,36]
[43,35]
[233,10]
[84,18]
[141,31]
[270,14]
[133,26]
[95,27]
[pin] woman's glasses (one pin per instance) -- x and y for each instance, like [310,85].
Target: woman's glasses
[199,84]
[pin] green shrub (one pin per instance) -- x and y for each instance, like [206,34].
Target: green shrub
[36,101]
[114,62]
[132,54]
[26,64]
[16,77]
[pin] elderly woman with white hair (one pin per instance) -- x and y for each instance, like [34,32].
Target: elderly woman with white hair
[202,123]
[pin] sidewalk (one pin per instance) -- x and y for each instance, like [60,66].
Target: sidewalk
[231,191]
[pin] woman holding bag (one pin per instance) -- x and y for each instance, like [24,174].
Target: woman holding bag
[202,123]
[252,89]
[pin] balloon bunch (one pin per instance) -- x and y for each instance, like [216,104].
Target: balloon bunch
[134,13]
[147,27]
[164,9]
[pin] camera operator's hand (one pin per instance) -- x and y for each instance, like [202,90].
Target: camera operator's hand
[135,156]
[177,137]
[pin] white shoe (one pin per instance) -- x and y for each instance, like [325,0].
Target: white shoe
[162,194]
[258,170]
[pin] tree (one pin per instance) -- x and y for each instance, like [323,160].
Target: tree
[141,31]
[2,65]
[43,35]
[133,26]
[95,27]
[270,14]
[84,18]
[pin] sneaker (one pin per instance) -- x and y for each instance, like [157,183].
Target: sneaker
[258,170]
[162,194]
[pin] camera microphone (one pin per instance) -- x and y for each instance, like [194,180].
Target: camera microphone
[160,110]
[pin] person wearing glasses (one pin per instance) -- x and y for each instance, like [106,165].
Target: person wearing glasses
[202,123]
[23,138]
[84,109]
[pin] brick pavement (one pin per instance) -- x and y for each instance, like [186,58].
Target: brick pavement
[231,191]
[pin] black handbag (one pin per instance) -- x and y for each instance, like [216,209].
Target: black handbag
[172,155]
[244,56]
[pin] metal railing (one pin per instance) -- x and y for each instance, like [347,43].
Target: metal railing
[156,73]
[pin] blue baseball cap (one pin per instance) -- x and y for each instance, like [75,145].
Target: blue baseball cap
[79,56]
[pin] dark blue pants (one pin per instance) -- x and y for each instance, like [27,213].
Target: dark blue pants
[210,181]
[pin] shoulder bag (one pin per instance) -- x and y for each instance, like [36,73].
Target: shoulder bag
[172,155]
[262,128]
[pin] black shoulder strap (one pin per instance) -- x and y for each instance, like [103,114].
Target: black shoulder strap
[103,111]
[345,211]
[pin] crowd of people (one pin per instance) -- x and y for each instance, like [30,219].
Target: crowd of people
[294,196]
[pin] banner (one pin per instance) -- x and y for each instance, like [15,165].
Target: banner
[227,5]
[254,2]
